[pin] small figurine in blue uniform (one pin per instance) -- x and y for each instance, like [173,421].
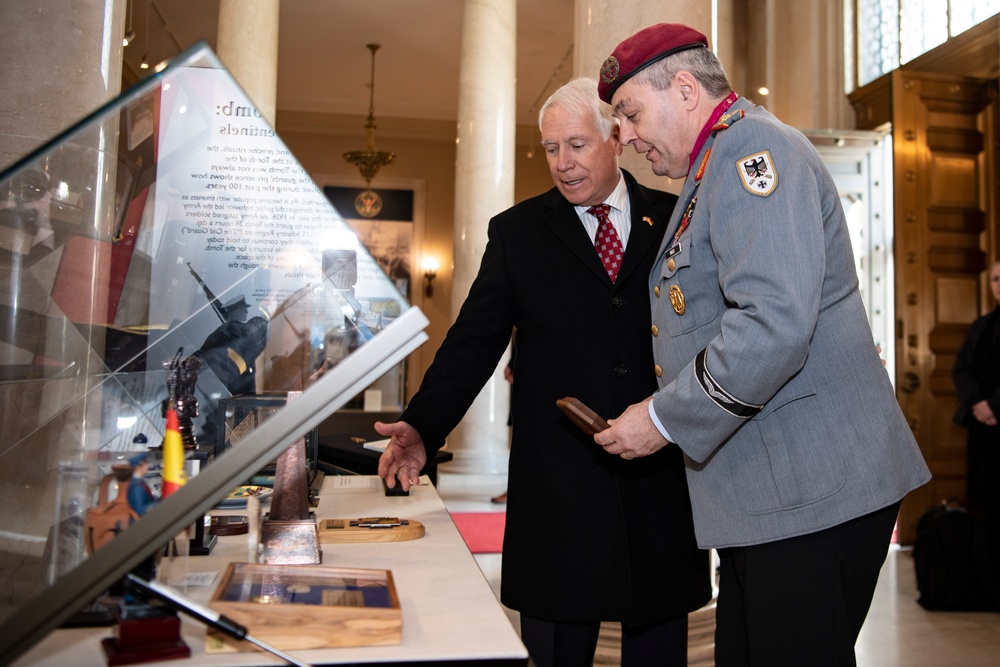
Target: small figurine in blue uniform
[140,497]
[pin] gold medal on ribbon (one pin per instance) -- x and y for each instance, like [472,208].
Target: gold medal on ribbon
[677,299]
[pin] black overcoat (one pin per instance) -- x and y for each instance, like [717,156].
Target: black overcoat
[977,378]
[589,536]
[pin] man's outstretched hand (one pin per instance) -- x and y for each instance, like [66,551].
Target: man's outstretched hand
[404,457]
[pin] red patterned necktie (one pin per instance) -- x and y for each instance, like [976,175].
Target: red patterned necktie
[607,243]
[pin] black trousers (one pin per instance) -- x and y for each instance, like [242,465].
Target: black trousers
[800,601]
[556,644]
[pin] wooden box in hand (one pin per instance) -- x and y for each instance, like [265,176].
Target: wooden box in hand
[298,607]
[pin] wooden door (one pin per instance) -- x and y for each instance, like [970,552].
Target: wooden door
[944,131]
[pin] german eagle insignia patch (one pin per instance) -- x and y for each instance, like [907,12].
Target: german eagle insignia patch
[757,173]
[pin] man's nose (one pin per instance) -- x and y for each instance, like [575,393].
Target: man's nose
[626,134]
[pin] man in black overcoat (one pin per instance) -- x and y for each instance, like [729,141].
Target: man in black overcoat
[589,537]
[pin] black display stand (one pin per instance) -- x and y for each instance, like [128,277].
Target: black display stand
[202,542]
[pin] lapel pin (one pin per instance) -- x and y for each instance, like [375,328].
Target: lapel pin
[648,220]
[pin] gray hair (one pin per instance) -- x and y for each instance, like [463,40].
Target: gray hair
[701,63]
[580,96]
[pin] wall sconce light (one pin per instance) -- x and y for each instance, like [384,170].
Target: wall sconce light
[430,273]
[144,63]
[129,33]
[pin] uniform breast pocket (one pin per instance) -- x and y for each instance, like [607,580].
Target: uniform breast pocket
[689,298]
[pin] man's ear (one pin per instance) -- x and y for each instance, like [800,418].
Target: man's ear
[688,89]
[616,138]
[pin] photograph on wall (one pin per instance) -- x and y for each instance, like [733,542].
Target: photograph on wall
[386,234]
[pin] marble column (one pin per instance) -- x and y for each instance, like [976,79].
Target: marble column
[247,45]
[796,50]
[61,59]
[484,186]
[602,24]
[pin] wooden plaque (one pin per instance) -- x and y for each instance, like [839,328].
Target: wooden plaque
[588,420]
[370,529]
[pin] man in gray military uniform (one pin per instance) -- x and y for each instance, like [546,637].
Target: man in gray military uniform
[797,453]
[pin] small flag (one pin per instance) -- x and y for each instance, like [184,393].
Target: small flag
[173,455]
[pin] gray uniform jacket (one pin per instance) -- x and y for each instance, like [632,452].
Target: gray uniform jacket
[769,378]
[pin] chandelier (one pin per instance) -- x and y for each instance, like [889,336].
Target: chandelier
[368,162]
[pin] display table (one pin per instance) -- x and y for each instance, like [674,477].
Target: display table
[450,613]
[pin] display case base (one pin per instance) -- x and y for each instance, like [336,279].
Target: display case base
[145,633]
[119,656]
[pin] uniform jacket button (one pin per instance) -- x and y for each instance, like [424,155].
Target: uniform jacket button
[656,291]
[658,370]
[616,301]
[655,330]
[620,370]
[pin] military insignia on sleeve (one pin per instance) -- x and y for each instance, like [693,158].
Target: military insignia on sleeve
[720,396]
[758,173]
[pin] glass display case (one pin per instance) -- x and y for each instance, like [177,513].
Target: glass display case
[166,251]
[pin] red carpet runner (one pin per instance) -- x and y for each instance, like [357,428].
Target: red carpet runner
[482,531]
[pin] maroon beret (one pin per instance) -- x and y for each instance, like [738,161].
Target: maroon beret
[641,50]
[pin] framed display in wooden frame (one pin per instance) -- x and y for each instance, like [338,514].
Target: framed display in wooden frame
[297,607]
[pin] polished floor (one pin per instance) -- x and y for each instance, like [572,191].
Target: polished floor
[898,632]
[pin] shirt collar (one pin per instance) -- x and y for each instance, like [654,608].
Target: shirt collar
[618,199]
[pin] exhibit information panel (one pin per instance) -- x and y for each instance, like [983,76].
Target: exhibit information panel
[163,255]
